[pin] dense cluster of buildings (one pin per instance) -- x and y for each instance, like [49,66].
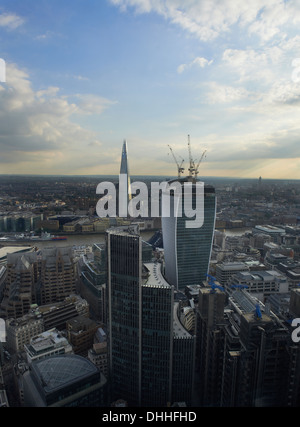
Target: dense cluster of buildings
[205,320]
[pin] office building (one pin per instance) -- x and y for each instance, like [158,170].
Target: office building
[294,305]
[93,282]
[55,315]
[225,271]
[256,355]
[46,344]
[20,331]
[43,277]
[209,355]
[58,275]
[20,222]
[81,331]
[187,251]
[98,356]
[39,319]
[150,352]
[124,312]
[261,283]
[18,290]
[64,381]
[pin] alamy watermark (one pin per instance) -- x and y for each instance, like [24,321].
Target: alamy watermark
[177,200]
[2,331]
[2,71]
[296,324]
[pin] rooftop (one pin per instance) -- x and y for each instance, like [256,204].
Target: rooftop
[269,229]
[232,265]
[155,277]
[59,371]
[45,341]
[179,330]
[263,275]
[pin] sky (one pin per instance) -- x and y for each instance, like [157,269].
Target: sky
[81,76]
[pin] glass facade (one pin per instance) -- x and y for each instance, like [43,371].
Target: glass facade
[188,250]
[64,381]
[144,369]
[124,293]
[157,330]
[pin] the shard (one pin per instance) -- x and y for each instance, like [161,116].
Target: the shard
[124,160]
[125,196]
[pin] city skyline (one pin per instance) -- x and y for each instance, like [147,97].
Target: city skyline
[80,80]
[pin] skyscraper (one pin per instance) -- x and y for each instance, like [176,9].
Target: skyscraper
[125,196]
[124,280]
[150,353]
[258,358]
[188,250]
[209,359]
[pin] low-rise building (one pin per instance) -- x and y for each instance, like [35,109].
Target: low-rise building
[226,270]
[19,332]
[46,344]
[261,283]
[64,381]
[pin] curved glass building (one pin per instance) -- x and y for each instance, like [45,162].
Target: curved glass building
[188,250]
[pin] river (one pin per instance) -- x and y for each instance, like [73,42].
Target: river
[72,240]
[89,239]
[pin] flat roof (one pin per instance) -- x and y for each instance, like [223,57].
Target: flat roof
[46,340]
[270,228]
[13,249]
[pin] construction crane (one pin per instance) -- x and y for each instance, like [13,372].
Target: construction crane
[197,167]
[194,169]
[213,285]
[180,169]
[192,163]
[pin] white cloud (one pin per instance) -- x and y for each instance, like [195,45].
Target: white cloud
[10,20]
[248,64]
[199,62]
[39,126]
[219,93]
[208,19]
[92,104]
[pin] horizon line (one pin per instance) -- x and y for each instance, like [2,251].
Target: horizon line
[139,175]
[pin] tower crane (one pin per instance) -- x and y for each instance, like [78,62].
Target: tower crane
[197,167]
[194,169]
[180,169]
[192,163]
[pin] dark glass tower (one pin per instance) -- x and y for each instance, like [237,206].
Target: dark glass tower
[188,250]
[151,355]
[124,252]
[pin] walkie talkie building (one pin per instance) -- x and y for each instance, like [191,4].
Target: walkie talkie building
[187,251]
